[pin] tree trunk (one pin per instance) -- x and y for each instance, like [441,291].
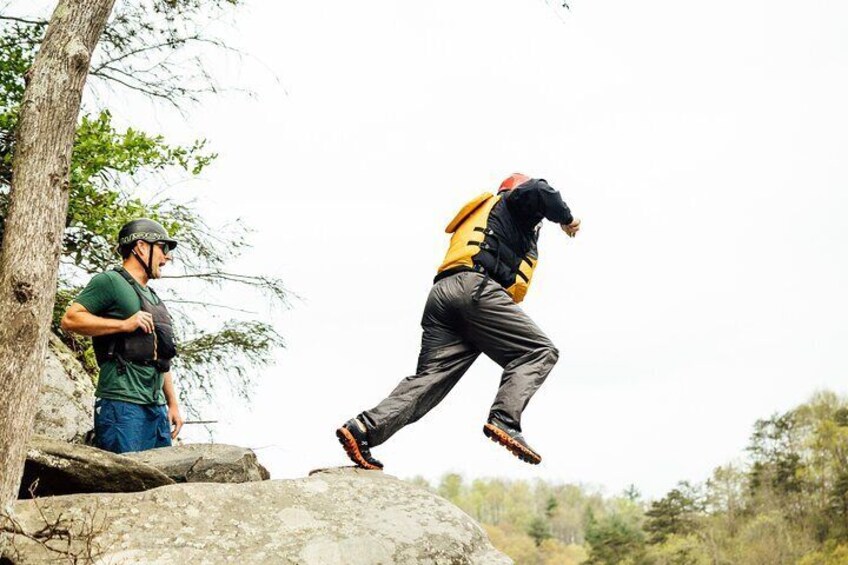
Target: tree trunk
[32,242]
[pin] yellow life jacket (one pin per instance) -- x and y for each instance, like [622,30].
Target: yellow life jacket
[470,228]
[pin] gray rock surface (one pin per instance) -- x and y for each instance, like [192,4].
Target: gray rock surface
[66,400]
[204,463]
[66,468]
[334,517]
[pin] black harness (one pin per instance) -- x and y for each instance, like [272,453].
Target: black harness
[155,349]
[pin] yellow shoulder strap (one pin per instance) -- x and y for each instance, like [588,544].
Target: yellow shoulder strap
[467,210]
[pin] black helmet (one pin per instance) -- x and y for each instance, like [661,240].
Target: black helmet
[144,229]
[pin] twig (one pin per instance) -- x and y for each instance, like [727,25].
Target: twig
[143,49]
[24,20]
[209,305]
[57,529]
[137,88]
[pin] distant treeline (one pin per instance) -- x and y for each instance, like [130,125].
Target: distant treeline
[787,503]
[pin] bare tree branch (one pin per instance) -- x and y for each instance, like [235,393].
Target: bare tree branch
[171,43]
[209,305]
[24,20]
[137,88]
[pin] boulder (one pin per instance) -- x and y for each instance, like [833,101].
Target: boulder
[66,468]
[66,400]
[334,517]
[204,463]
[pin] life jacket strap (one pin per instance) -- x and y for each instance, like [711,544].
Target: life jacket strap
[121,364]
[475,298]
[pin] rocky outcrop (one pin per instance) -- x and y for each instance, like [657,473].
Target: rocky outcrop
[204,463]
[64,468]
[334,517]
[66,399]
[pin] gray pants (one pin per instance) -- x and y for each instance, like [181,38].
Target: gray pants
[456,331]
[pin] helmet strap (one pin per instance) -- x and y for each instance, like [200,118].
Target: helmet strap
[147,266]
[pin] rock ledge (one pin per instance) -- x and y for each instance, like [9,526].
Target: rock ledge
[337,516]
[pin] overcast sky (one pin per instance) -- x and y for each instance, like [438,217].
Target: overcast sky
[703,144]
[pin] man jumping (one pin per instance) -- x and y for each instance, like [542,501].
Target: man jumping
[472,309]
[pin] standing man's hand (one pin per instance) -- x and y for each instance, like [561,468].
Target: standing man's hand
[175,419]
[142,320]
[572,228]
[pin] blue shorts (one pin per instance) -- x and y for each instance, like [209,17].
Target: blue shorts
[120,427]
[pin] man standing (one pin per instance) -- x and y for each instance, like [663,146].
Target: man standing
[134,344]
[472,309]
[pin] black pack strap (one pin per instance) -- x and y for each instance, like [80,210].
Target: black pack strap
[134,285]
[121,364]
[124,273]
[492,242]
[130,280]
[475,298]
[482,244]
[479,290]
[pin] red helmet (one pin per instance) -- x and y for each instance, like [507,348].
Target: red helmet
[513,180]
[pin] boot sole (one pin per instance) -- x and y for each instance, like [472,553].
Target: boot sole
[352,449]
[499,436]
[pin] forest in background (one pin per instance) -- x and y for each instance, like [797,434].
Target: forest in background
[787,502]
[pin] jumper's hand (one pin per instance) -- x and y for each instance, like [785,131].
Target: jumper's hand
[572,228]
[141,320]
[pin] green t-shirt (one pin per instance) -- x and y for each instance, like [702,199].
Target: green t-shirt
[109,295]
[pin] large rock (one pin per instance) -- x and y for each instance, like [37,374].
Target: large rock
[66,400]
[204,463]
[336,517]
[66,468]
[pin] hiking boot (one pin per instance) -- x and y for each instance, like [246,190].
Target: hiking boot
[354,438]
[511,439]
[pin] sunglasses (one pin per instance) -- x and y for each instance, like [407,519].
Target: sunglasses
[164,246]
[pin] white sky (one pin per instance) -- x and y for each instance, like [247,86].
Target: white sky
[702,144]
